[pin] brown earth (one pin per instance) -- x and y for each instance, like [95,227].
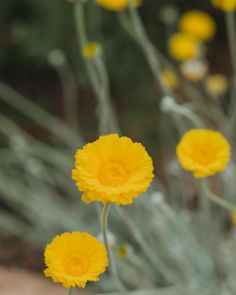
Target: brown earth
[16,281]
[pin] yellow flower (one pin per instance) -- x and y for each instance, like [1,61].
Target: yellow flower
[183,46]
[216,85]
[169,79]
[112,169]
[91,49]
[234,218]
[117,5]
[203,152]
[122,251]
[225,5]
[75,258]
[198,24]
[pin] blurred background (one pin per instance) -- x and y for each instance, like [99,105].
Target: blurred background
[48,109]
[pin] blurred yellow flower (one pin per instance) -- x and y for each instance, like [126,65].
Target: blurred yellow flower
[233,217]
[198,24]
[216,85]
[225,5]
[203,152]
[117,5]
[183,46]
[169,79]
[122,251]
[75,258]
[91,49]
[112,169]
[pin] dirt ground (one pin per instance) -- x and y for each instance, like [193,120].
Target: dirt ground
[16,281]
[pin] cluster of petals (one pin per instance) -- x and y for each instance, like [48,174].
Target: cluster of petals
[112,169]
[74,258]
[203,152]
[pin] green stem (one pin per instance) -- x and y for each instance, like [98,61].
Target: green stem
[148,251]
[147,47]
[231,28]
[112,265]
[216,199]
[31,110]
[98,76]
[230,21]
[69,291]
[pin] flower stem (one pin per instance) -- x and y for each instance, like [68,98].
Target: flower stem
[216,199]
[69,291]
[231,28]
[98,76]
[147,47]
[112,265]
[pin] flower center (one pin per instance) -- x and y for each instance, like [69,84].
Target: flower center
[205,156]
[75,265]
[112,174]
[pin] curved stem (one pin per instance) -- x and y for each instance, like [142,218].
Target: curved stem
[112,265]
[147,47]
[216,199]
[69,291]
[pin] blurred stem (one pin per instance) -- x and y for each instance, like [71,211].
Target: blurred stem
[231,28]
[69,291]
[70,94]
[98,76]
[215,198]
[58,128]
[112,265]
[230,21]
[147,47]
[148,251]
[56,157]
[188,114]
[137,31]
[80,27]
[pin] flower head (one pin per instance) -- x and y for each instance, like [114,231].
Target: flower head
[75,258]
[233,217]
[117,5]
[225,5]
[198,24]
[194,70]
[91,49]
[169,79]
[112,169]
[216,85]
[123,251]
[183,46]
[203,152]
